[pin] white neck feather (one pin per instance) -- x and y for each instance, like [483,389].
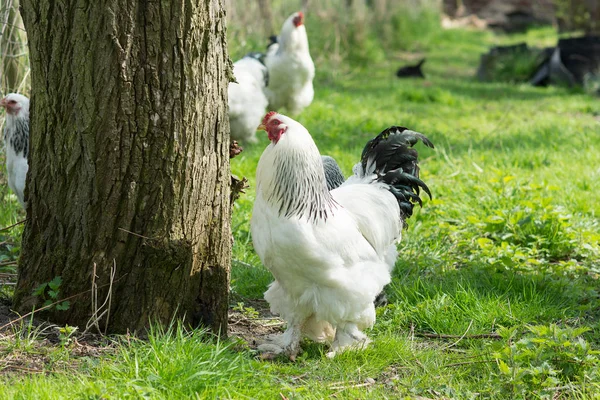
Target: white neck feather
[293,39]
[291,179]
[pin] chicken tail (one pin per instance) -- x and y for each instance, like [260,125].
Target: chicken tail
[391,157]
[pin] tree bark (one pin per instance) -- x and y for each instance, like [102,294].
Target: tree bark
[129,162]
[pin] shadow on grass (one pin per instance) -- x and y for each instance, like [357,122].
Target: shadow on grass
[486,296]
[478,91]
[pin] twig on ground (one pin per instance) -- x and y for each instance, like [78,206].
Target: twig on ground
[51,305]
[442,336]
[32,370]
[259,318]
[466,363]
[13,225]
[134,234]
[94,320]
[243,264]
[336,385]
[7,263]
[460,338]
[275,324]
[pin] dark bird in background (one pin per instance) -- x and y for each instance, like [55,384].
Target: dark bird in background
[411,71]
[16,141]
[333,173]
[272,40]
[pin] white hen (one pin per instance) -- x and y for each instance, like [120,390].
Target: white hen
[247,101]
[16,141]
[291,69]
[331,252]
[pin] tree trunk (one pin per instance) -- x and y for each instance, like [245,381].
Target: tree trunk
[129,162]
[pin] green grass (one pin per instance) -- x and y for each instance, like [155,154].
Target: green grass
[508,246]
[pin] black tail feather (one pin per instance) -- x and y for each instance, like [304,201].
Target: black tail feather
[273,39]
[391,157]
[400,178]
[411,71]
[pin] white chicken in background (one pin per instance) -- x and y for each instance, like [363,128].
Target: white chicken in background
[247,100]
[330,252]
[16,141]
[291,69]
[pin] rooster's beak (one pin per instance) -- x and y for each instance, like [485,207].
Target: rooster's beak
[261,127]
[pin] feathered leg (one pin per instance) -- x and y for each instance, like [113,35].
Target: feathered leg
[348,336]
[287,343]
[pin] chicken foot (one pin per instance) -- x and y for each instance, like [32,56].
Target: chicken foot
[287,343]
[348,336]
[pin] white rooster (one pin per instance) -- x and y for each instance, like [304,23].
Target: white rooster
[247,100]
[291,69]
[331,252]
[16,141]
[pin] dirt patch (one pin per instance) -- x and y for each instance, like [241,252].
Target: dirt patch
[41,356]
[6,316]
[254,322]
[32,346]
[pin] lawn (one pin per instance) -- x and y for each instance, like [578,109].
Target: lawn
[494,295]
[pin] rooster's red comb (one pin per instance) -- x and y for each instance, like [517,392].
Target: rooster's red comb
[299,19]
[268,117]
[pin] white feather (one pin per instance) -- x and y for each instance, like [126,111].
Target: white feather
[247,101]
[17,168]
[291,70]
[327,271]
[16,156]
